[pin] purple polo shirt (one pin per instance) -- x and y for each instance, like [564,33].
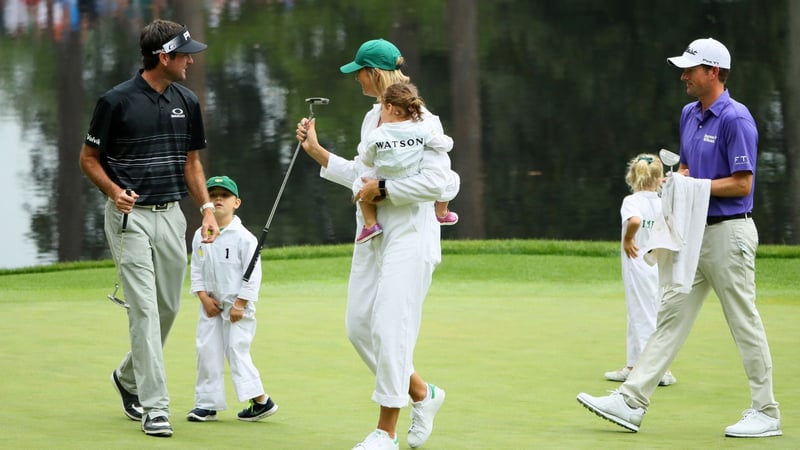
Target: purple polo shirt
[718,143]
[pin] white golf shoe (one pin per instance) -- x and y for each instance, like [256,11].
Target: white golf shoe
[613,408]
[422,414]
[755,424]
[668,379]
[618,375]
[378,440]
[622,374]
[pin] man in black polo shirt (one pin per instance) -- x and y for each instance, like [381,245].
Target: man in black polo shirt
[144,137]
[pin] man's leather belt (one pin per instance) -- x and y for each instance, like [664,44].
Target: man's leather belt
[713,220]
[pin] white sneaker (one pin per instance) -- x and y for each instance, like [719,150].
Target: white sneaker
[623,373]
[668,379]
[618,375]
[422,414]
[755,424]
[613,408]
[378,440]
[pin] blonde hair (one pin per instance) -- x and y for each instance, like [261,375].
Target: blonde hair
[385,78]
[405,97]
[644,173]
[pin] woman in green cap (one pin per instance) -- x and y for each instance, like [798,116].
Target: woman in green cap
[391,274]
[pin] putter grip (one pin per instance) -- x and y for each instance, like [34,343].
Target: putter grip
[256,255]
[125,216]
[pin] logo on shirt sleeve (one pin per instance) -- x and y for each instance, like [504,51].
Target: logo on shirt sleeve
[741,160]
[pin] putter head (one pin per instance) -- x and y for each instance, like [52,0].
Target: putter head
[118,301]
[317,101]
[668,158]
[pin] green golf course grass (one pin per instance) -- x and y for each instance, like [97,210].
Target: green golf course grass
[512,330]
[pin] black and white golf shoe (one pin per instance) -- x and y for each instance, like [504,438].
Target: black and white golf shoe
[130,402]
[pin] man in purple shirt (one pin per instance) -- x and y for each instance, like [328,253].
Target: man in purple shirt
[718,142]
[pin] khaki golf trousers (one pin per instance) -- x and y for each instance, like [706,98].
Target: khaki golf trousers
[727,265]
[151,262]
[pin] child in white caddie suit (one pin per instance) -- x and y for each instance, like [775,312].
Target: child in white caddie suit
[226,324]
[642,291]
[394,150]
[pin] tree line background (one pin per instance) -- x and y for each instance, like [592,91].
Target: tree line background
[546,102]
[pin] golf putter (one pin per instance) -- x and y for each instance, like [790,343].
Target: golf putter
[113,296]
[668,158]
[257,253]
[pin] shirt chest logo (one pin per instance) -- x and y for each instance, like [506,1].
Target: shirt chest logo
[709,138]
[402,143]
[177,113]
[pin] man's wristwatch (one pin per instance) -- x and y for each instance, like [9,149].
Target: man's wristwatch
[205,206]
[382,188]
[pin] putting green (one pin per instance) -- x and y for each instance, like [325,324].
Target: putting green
[512,338]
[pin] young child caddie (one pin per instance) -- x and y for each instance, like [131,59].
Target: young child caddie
[226,324]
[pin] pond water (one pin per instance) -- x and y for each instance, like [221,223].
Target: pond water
[19,247]
[546,105]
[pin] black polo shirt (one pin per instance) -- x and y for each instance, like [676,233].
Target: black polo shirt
[144,137]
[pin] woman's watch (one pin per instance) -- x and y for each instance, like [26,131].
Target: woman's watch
[382,188]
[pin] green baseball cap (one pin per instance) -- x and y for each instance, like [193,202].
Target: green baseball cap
[378,53]
[225,183]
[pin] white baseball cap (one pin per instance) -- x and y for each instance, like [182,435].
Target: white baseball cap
[703,51]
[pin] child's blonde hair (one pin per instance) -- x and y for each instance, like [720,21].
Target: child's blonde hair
[405,97]
[644,173]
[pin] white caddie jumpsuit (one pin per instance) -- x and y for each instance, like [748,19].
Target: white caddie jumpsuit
[391,273]
[217,268]
[394,150]
[640,279]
